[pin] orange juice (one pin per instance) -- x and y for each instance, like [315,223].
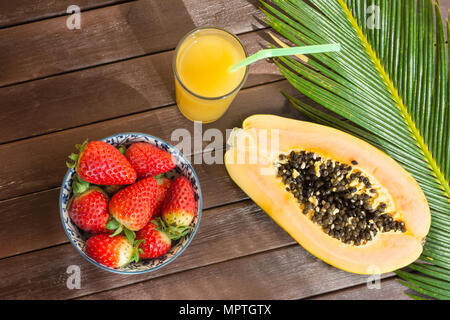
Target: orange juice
[204,85]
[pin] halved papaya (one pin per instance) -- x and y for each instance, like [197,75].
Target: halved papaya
[342,199]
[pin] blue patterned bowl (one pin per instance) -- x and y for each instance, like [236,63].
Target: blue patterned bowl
[78,237]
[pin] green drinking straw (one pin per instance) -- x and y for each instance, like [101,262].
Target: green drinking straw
[290,51]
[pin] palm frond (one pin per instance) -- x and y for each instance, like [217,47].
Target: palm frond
[391,82]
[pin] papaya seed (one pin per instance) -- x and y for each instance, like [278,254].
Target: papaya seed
[336,196]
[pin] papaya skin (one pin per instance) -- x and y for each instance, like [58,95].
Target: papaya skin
[387,251]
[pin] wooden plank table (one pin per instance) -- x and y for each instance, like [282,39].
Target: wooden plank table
[59,86]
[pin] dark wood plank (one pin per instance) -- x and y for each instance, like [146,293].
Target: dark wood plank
[22,11]
[288,273]
[35,221]
[113,33]
[36,216]
[101,93]
[390,289]
[226,232]
[38,163]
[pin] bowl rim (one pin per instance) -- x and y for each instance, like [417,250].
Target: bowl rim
[192,234]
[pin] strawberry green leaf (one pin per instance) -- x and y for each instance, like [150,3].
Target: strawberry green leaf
[74,160]
[70,165]
[173,232]
[136,251]
[160,224]
[82,147]
[118,231]
[129,234]
[122,149]
[75,157]
[79,185]
[177,232]
[112,224]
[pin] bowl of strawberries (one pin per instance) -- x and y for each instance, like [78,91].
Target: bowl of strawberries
[130,203]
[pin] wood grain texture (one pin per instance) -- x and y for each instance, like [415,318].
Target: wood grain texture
[114,75]
[113,33]
[210,268]
[104,92]
[117,32]
[32,223]
[37,164]
[22,11]
[390,289]
[226,232]
[287,273]
[37,225]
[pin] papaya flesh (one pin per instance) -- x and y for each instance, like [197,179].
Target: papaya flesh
[253,161]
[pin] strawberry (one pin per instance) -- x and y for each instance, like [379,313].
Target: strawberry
[155,242]
[101,163]
[179,206]
[113,252]
[133,206]
[89,210]
[163,189]
[149,160]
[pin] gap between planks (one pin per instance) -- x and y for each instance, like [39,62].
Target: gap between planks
[92,295]
[103,93]
[117,32]
[130,21]
[58,12]
[48,153]
[242,221]
[390,289]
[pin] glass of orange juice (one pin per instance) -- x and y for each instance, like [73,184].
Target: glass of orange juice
[204,85]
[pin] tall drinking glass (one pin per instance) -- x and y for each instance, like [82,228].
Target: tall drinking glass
[204,85]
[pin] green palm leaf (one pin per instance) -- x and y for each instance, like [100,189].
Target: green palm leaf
[391,82]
